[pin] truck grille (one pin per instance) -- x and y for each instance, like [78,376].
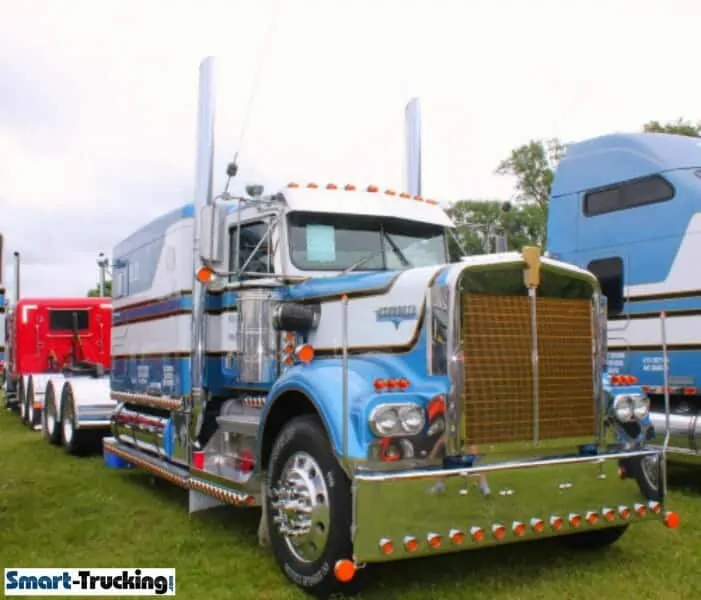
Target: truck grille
[498,401]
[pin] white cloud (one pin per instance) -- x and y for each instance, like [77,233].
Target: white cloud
[98,100]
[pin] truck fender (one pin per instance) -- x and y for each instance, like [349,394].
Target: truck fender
[91,397]
[321,388]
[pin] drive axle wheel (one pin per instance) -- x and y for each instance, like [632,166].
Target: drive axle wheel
[51,422]
[73,439]
[309,510]
[32,415]
[22,401]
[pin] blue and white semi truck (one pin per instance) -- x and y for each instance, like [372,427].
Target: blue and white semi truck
[315,352]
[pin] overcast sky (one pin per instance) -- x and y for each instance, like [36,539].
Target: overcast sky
[98,100]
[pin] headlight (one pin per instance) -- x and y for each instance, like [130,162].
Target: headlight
[397,419]
[631,406]
[386,421]
[623,408]
[641,406]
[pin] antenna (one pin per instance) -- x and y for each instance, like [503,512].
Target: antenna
[412,132]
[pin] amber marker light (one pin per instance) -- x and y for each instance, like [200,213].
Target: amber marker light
[609,514]
[477,534]
[640,509]
[556,522]
[575,519]
[456,536]
[671,520]
[498,531]
[592,518]
[386,546]
[411,544]
[624,511]
[344,570]
[518,528]
[434,540]
[537,525]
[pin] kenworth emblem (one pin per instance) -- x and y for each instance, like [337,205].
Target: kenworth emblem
[397,314]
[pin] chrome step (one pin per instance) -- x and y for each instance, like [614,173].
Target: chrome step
[138,458]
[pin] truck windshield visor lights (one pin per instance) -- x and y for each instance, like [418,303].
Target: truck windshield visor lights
[397,419]
[629,407]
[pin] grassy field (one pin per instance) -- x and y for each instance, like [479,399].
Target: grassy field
[57,511]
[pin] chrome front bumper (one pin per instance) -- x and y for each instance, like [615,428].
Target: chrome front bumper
[462,509]
[684,436]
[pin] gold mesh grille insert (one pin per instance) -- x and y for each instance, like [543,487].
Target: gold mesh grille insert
[498,403]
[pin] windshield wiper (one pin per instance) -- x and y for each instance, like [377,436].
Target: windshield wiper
[397,251]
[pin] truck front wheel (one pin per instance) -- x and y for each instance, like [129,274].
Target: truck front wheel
[309,509]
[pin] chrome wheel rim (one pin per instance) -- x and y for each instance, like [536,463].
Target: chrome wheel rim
[650,466]
[300,506]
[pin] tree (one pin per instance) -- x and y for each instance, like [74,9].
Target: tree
[475,220]
[533,166]
[95,292]
[678,127]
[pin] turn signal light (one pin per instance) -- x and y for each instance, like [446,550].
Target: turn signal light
[386,546]
[575,520]
[305,353]
[411,543]
[434,540]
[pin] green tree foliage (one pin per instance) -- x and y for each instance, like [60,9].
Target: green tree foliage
[678,127]
[533,166]
[479,220]
[95,292]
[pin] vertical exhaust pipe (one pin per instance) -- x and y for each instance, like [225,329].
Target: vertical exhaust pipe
[17,276]
[412,148]
[204,184]
[102,263]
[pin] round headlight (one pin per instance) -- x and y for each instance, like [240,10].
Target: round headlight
[623,408]
[386,421]
[412,419]
[641,406]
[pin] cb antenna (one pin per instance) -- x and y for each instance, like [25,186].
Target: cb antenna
[232,168]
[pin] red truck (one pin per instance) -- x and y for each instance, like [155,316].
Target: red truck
[52,340]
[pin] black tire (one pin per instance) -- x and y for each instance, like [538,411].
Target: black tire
[646,472]
[51,418]
[594,540]
[32,416]
[22,400]
[72,438]
[303,439]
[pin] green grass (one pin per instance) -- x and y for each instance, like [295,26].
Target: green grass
[58,511]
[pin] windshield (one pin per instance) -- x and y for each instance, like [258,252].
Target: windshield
[334,242]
